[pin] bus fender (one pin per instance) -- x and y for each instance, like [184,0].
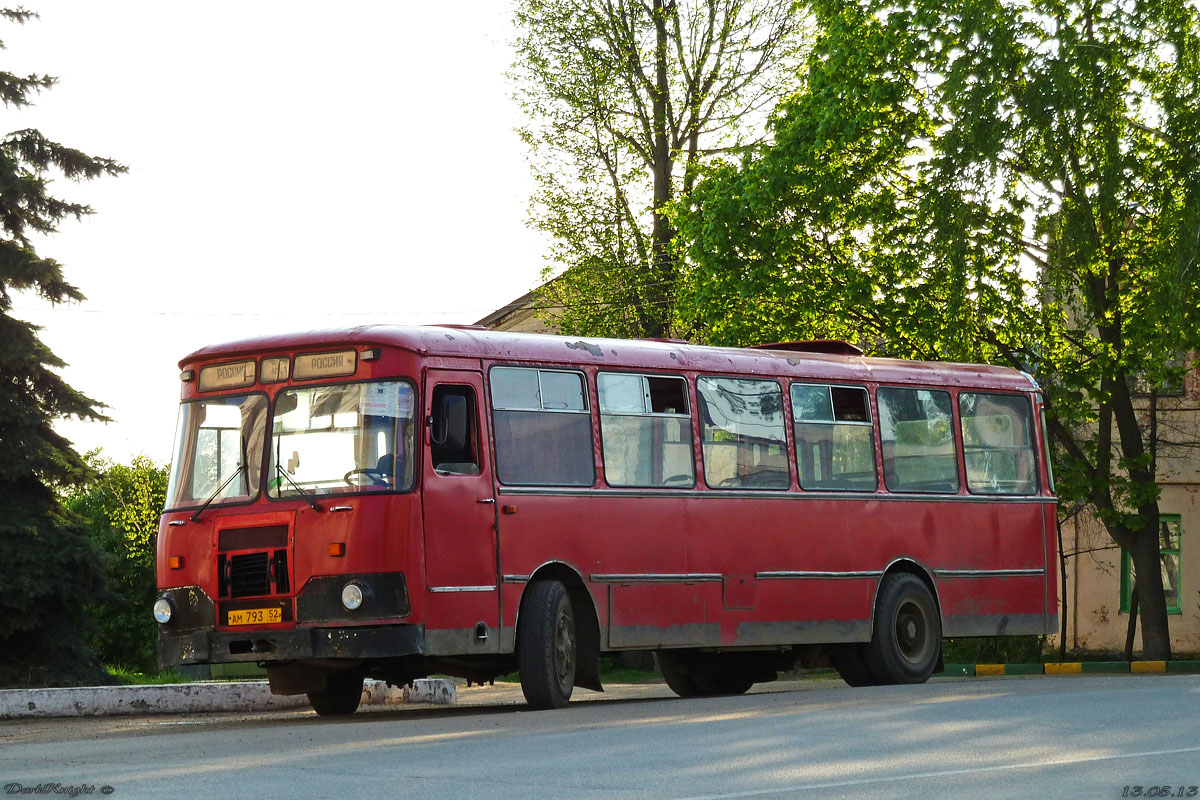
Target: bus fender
[587,621]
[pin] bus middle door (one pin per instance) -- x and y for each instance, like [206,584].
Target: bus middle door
[458,504]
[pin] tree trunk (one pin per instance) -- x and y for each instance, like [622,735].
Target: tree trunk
[1147,575]
[1062,576]
[658,294]
[1131,628]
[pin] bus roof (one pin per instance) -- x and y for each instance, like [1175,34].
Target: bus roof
[463,342]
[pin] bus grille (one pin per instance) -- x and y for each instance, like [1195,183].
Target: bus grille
[249,575]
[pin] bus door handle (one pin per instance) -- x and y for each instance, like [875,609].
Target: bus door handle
[486,500]
[342,508]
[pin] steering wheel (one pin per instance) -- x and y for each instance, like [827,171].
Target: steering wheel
[731,483]
[377,477]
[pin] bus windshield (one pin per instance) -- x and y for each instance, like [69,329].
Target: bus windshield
[351,437]
[218,450]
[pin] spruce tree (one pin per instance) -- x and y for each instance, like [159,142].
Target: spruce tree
[50,566]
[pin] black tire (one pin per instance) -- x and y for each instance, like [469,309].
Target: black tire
[678,679]
[908,631]
[341,695]
[700,676]
[715,684]
[850,663]
[547,646]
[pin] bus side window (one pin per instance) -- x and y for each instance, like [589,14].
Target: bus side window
[542,427]
[645,430]
[997,431]
[744,438]
[835,449]
[916,433]
[455,448]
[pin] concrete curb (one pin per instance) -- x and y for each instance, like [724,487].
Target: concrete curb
[184,698]
[1071,668]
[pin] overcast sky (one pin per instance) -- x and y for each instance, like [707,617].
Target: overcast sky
[292,165]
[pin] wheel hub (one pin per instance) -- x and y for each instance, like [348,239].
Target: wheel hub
[564,646]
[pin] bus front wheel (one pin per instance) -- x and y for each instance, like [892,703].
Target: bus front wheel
[908,631]
[547,646]
[341,695]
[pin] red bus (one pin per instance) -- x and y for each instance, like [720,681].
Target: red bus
[396,502]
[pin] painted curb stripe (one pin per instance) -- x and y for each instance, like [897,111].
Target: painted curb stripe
[1148,667]
[989,669]
[1106,667]
[1073,668]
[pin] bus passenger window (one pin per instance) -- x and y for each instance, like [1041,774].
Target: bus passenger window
[998,443]
[542,427]
[646,430]
[835,448]
[455,448]
[917,437]
[744,439]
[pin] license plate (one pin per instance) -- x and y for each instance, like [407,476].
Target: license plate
[255,616]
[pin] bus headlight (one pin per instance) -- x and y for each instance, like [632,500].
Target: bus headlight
[352,596]
[163,609]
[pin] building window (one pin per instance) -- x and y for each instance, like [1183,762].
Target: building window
[646,430]
[1169,532]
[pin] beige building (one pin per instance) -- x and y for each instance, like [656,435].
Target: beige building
[1098,574]
[519,316]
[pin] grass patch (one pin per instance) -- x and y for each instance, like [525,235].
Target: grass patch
[124,676]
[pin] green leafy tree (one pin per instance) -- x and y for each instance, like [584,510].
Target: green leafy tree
[122,504]
[986,180]
[625,99]
[50,569]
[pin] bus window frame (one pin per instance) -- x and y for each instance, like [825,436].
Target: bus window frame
[691,415]
[418,440]
[955,433]
[872,424]
[262,467]
[785,407]
[1033,444]
[590,404]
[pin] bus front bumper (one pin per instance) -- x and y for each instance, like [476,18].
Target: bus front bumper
[208,647]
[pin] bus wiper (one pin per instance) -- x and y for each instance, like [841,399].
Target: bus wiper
[303,492]
[196,515]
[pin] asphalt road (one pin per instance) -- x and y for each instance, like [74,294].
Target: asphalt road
[1085,737]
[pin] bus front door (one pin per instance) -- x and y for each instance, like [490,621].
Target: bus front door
[462,595]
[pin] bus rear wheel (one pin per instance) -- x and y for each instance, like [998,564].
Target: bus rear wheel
[850,663]
[341,695]
[700,676]
[675,673]
[908,632]
[547,645]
